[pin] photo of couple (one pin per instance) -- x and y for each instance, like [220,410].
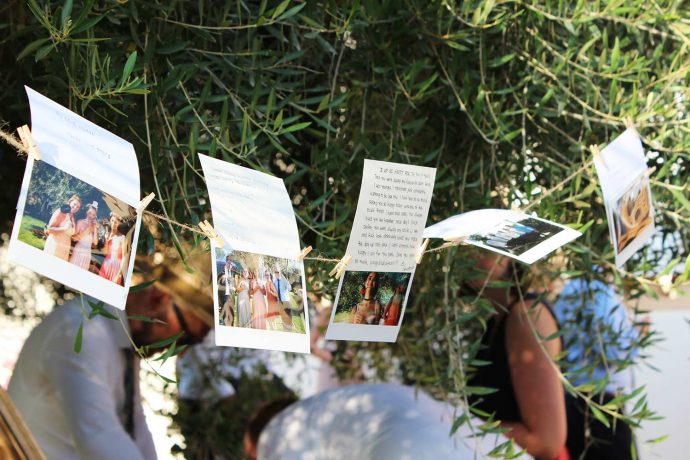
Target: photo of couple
[76,222]
[259,292]
[372,298]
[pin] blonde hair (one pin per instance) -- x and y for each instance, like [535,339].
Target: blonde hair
[74,197]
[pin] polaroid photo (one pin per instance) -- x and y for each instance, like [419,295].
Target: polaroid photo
[622,171]
[513,234]
[76,217]
[260,288]
[386,233]
[632,215]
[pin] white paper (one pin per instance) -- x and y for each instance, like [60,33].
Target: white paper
[105,167]
[387,231]
[513,234]
[253,214]
[626,191]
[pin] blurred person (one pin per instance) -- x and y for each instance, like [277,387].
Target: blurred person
[87,405]
[227,289]
[61,227]
[529,400]
[368,310]
[391,312]
[257,290]
[111,268]
[283,288]
[86,235]
[598,335]
[272,307]
[365,422]
[244,309]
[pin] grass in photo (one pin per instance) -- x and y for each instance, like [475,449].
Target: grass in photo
[76,222]
[258,291]
[373,298]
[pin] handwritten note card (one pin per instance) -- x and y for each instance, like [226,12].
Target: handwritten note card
[386,233]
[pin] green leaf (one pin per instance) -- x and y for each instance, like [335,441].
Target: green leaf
[141,286]
[600,416]
[498,62]
[31,47]
[292,11]
[164,342]
[78,338]
[295,127]
[280,8]
[66,13]
[129,66]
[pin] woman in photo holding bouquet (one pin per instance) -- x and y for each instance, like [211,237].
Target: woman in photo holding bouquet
[368,310]
[113,250]
[60,229]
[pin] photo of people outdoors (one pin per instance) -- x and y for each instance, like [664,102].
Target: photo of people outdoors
[78,223]
[632,213]
[517,237]
[259,292]
[373,298]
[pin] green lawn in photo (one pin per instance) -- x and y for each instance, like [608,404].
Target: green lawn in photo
[342,317]
[27,230]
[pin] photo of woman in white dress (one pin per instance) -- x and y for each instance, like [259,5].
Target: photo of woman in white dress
[60,229]
[86,235]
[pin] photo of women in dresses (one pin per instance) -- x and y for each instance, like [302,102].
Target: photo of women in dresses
[67,218]
[260,292]
[372,298]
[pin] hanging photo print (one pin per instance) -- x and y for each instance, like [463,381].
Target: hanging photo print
[260,289]
[517,235]
[386,233]
[622,171]
[76,218]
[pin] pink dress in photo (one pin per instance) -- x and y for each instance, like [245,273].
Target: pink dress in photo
[110,269]
[81,253]
[259,307]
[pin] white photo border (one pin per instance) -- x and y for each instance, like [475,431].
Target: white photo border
[243,337]
[366,332]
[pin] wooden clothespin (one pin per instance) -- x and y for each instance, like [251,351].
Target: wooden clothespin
[421,249]
[629,123]
[211,233]
[29,144]
[145,202]
[340,267]
[597,154]
[303,254]
[454,241]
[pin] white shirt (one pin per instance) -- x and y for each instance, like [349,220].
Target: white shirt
[370,422]
[73,403]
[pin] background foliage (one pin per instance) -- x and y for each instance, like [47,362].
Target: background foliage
[503,97]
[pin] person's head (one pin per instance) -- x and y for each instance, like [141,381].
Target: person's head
[371,283]
[245,273]
[267,276]
[260,420]
[277,272]
[74,204]
[178,301]
[228,261]
[166,318]
[115,220]
[492,269]
[92,211]
[400,288]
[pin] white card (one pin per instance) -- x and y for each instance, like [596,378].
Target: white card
[387,231]
[622,172]
[85,249]
[513,234]
[259,286]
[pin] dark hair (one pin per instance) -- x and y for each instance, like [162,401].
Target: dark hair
[263,416]
[375,290]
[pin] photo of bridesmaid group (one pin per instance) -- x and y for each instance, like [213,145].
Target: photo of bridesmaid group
[76,222]
[259,292]
[372,298]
